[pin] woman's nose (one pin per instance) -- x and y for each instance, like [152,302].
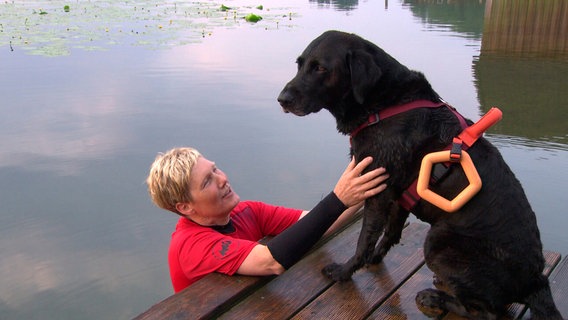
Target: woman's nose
[221,178]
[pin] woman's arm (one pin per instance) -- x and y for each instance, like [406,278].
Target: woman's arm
[332,212]
[260,262]
[343,219]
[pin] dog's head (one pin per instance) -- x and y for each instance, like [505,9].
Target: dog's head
[336,71]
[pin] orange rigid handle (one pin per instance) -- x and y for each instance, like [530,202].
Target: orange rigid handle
[463,197]
[473,132]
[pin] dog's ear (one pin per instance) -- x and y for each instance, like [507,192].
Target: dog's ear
[365,73]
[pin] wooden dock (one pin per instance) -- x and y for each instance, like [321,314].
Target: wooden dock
[384,291]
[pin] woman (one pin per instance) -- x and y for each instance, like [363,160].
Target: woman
[217,232]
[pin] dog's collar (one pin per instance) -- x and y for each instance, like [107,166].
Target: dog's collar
[394,110]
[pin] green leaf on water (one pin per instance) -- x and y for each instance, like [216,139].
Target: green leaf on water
[251,17]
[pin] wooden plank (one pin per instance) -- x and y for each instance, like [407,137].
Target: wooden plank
[288,292]
[559,284]
[403,306]
[356,299]
[304,293]
[204,299]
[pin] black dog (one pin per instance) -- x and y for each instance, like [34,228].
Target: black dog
[488,253]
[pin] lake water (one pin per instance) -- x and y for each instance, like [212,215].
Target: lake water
[90,96]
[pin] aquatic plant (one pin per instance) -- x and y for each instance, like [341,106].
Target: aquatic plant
[251,17]
[55,28]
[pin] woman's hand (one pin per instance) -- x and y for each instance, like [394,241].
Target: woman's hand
[353,187]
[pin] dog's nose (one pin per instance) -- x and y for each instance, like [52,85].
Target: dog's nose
[285,99]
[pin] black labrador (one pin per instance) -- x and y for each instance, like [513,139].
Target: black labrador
[486,255]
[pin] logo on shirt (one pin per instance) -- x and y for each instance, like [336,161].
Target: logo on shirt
[222,248]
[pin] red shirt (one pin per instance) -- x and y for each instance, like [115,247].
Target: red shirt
[196,250]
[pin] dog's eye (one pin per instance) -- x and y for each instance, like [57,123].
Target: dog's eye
[320,68]
[299,62]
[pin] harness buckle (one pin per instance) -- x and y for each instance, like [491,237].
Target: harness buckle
[456,150]
[373,119]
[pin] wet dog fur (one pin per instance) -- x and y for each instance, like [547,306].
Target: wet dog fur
[488,254]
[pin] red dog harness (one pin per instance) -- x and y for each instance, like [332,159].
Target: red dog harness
[410,197]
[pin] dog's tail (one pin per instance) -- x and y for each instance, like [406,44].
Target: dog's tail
[541,303]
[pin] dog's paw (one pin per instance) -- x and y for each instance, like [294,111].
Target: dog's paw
[430,302]
[336,272]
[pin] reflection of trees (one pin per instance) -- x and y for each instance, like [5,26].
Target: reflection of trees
[526,26]
[523,68]
[340,5]
[462,16]
[531,93]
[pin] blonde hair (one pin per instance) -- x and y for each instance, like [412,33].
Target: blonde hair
[168,180]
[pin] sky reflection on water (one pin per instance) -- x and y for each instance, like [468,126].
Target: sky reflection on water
[78,234]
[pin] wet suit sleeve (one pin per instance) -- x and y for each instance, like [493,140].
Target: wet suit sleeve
[290,245]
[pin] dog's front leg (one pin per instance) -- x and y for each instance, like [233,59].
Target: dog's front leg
[373,224]
[392,234]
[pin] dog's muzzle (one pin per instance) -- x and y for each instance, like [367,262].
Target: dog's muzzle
[285,99]
[288,101]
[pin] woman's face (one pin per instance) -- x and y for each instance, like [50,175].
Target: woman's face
[211,194]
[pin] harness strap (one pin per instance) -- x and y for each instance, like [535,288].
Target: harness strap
[394,110]
[410,197]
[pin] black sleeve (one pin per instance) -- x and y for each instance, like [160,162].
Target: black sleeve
[290,245]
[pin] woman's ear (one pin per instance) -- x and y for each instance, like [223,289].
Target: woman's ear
[184,208]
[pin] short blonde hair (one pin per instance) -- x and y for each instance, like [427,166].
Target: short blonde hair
[168,181]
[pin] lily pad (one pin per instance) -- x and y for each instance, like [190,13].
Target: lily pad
[98,25]
[251,17]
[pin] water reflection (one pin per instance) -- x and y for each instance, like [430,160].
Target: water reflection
[531,92]
[78,234]
[339,5]
[60,120]
[523,65]
[523,60]
[526,28]
[463,16]
[47,29]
